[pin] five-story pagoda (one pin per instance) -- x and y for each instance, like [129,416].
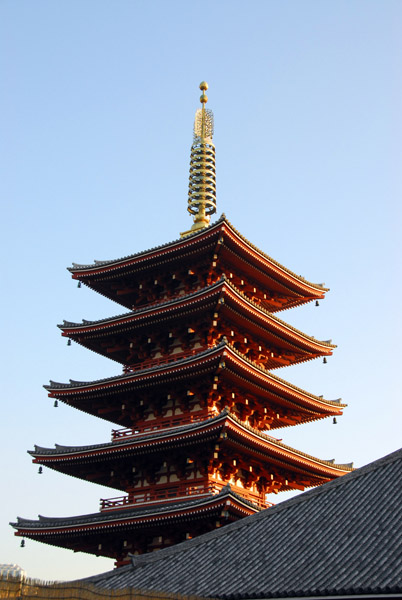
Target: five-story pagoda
[196,396]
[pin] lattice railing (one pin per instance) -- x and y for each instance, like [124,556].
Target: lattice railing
[160,424]
[177,492]
[161,360]
[163,494]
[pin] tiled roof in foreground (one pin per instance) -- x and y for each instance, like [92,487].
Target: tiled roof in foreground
[343,538]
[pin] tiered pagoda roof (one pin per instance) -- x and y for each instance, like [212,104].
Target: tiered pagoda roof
[197,394]
[93,462]
[111,337]
[222,360]
[219,246]
[100,533]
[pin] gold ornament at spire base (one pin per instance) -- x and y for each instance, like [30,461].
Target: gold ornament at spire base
[202,184]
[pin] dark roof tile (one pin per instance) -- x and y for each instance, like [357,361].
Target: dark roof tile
[341,538]
[127,514]
[120,262]
[161,434]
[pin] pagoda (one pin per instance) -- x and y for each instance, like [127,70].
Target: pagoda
[196,403]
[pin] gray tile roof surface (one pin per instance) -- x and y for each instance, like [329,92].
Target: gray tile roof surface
[224,344]
[55,385]
[76,268]
[216,286]
[97,263]
[342,538]
[160,435]
[152,435]
[162,304]
[130,513]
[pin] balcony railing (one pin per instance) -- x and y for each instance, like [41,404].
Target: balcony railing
[165,494]
[161,360]
[160,425]
[176,492]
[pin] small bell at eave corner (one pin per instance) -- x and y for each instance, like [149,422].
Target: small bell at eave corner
[56,404]
[79,284]
[324,360]
[22,545]
[40,471]
[334,421]
[317,303]
[69,343]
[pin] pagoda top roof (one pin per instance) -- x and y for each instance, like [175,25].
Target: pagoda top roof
[337,540]
[221,226]
[223,350]
[225,420]
[127,514]
[223,285]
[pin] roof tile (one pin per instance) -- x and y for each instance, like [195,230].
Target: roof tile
[341,538]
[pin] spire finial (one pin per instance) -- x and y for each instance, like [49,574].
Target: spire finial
[203,88]
[202,186]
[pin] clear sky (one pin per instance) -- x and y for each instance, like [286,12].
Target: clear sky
[97,103]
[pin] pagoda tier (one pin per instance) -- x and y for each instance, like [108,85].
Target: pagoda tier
[188,459]
[196,393]
[115,533]
[190,386]
[196,261]
[198,320]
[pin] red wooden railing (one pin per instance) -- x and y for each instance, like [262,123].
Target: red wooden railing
[166,423]
[162,494]
[161,360]
[175,492]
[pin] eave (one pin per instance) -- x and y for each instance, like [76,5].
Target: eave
[226,426]
[233,302]
[265,269]
[132,518]
[222,358]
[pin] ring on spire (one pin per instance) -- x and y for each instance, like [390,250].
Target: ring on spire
[202,184]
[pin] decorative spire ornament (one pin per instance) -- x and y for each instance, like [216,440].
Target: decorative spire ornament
[202,184]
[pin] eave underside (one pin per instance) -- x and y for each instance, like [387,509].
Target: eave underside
[114,534]
[113,337]
[103,398]
[197,442]
[221,237]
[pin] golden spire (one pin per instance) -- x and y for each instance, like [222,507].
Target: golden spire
[202,184]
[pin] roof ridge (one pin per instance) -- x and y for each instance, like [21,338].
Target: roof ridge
[222,220]
[78,266]
[270,438]
[320,286]
[54,385]
[280,380]
[281,321]
[140,437]
[61,385]
[124,512]
[144,309]
[161,433]
[179,298]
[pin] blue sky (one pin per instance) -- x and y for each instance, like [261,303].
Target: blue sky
[97,103]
